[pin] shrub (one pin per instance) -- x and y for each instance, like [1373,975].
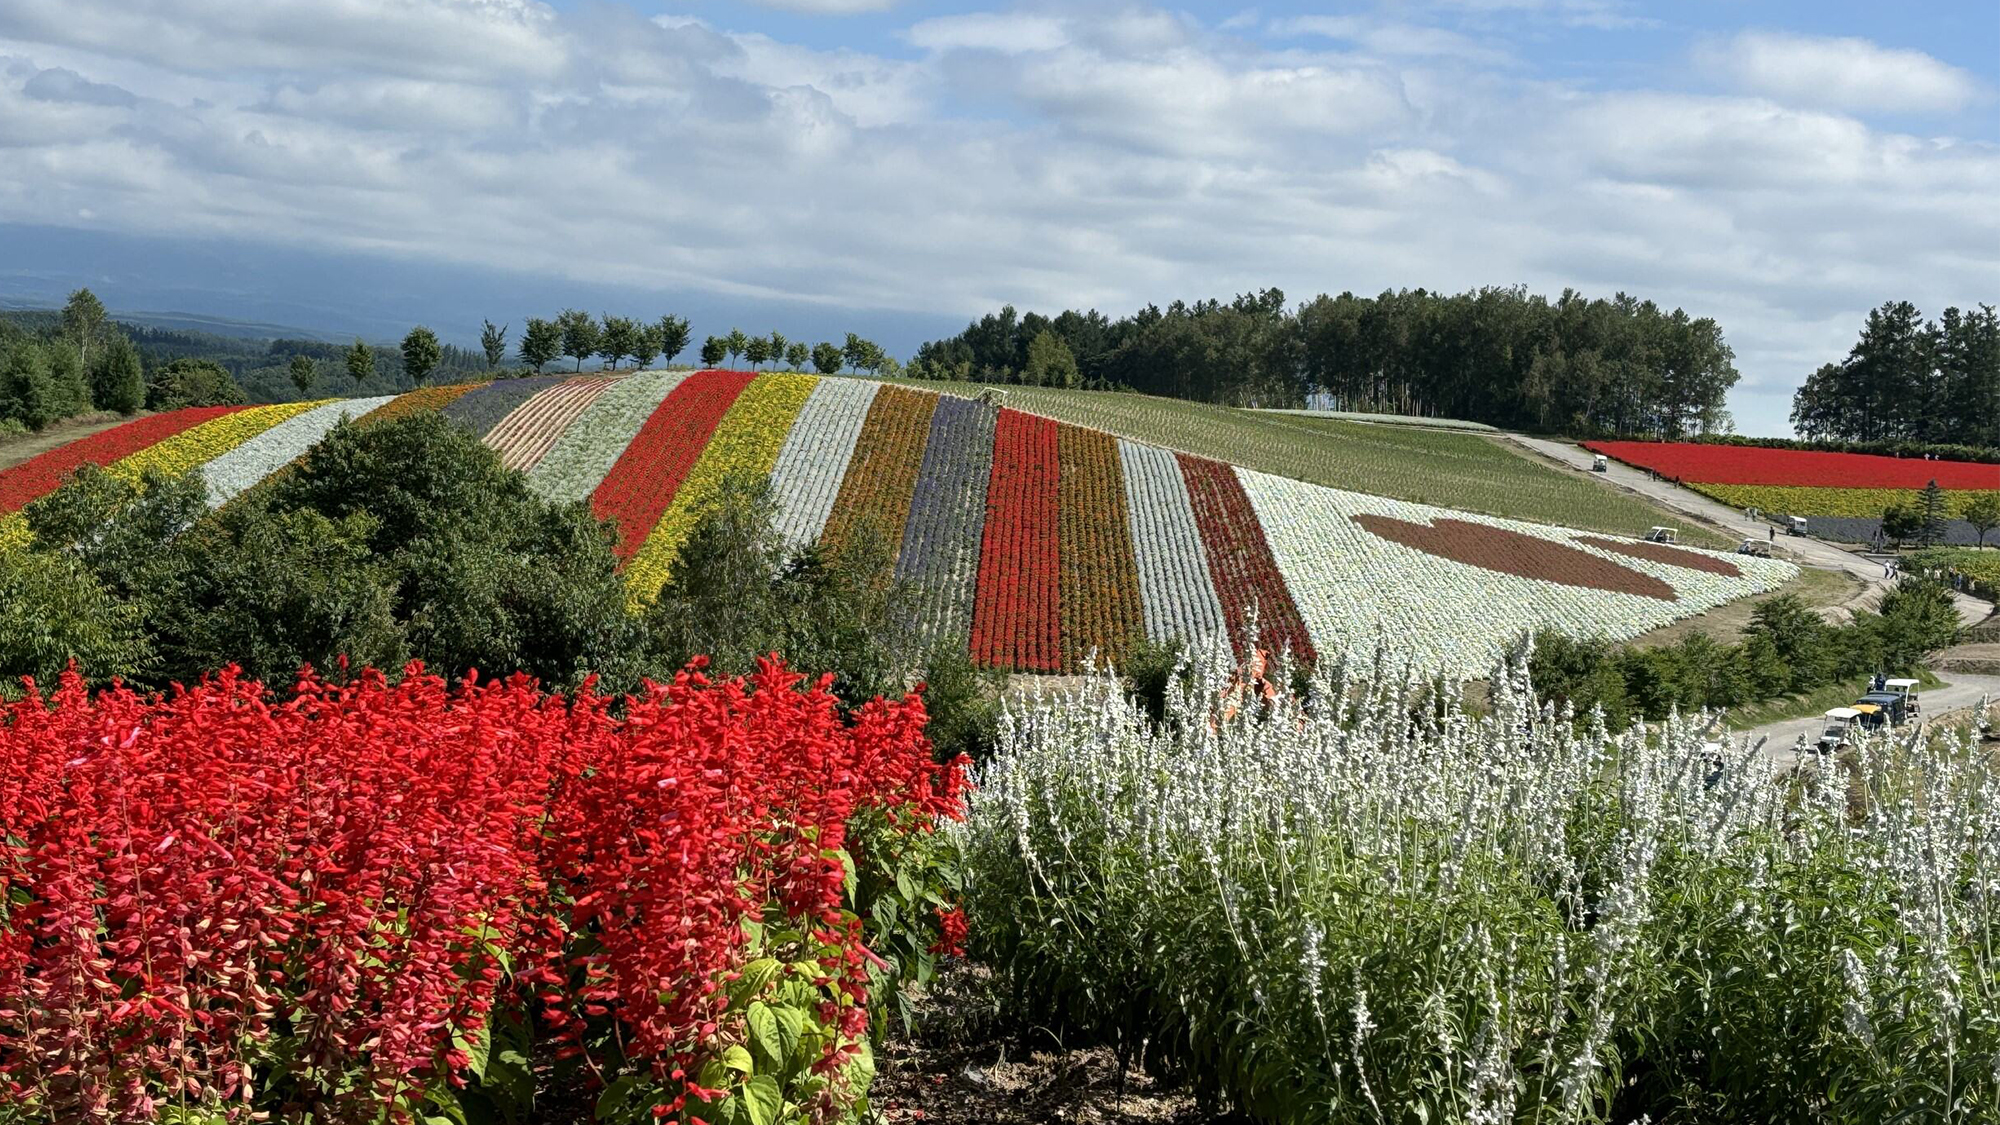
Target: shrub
[192,382]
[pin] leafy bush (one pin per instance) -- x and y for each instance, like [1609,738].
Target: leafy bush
[41,383]
[192,382]
[1333,909]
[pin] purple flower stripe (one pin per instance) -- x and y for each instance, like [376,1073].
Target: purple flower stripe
[939,563]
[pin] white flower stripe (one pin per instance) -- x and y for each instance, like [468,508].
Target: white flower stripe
[813,460]
[585,452]
[1174,585]
[266,453]
[1355,589]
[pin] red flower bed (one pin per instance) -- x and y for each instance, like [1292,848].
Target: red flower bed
[636,492]
[1510,552]
[42,474]
[1732,464]
[1246,577]
[1100,574]
[1016,622]
[315,908]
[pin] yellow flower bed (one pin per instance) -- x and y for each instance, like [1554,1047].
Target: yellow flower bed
[14,533]
[1804,500]
[193,448]
[747,440]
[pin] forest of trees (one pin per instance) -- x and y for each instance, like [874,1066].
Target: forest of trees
[1501,356]
[1910,380]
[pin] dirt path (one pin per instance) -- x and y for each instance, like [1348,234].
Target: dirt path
[13,451]
[1961,692]
[1795,548]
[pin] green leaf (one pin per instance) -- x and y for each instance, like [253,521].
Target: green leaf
[738,1060]
[763,1102]
[615,1102]
[766,1040]
[906,886]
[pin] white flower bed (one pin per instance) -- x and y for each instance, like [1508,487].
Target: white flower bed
[1354,588]
[577,462]
[1175,590]
[266,453]
[813,461]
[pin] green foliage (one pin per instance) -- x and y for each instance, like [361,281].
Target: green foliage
[40,383]
[670,335]
[645,346]
[84,323]
[713,351]
[1902,523]
[117,527]
[493,342]
[420,353]
[736,343]
[541,343]
[360,362]
[1050,363]
[797,355]
[580,335]
[1984,515]
[826,358]
[302,371]
[757,349]
[964,703]
[117,375]
[52,611]
[1908,380]
[618,337]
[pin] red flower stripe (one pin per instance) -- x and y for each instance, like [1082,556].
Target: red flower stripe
[190,877]
[637,490]
[882,473]
[1246,576]
[525,436]
[1100,575]
[40,475]
[1734,464]
[1015,620]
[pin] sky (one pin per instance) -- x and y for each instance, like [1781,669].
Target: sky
[902,167]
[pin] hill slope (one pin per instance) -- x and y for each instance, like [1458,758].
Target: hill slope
[1036,542]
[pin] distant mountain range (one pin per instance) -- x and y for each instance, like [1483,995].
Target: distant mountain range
[196,322]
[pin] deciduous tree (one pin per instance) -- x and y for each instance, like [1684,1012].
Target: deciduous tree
[421,353]
[541,342]
[713,351]
[826,357]
[579,335]
[671,333]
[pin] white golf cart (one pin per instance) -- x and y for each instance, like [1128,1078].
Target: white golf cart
[1601,465]
[1840,725]
[1663,535]
[1796,525]
[1757,547]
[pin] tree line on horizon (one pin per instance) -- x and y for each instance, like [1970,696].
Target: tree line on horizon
[1908,380]
[1502,356]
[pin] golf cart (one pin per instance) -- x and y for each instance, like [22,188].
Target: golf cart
[1839,728]
[1795,525]
[1662,535]
[1905,690]
[1756,547]
[1601,465]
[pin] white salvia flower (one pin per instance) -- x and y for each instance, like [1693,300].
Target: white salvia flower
[1854,1005]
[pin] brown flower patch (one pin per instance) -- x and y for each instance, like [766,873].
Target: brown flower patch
[1510,552]
[1660,552]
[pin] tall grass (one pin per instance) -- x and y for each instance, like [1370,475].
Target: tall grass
[1367,905]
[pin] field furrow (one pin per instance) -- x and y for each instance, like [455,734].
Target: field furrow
[482,408]
[640,486]
[526,434]
[1175,586]
[940,559]
[577,463]
[746,442]
[815,456]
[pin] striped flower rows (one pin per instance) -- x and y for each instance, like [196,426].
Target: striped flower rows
[581,458]
[882,475]
[1015,621]
[1100,598]
[636,492]
[940,559]
[260,456]
[745,442]
[814,459]
[1180,602]
[525,435]
[1033,542]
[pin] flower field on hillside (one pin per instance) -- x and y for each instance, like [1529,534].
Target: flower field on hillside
[1036,542]
[1842,495]
[420,903]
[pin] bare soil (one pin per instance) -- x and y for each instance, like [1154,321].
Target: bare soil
[960,1065]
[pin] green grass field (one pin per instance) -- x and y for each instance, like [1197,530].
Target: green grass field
[1469,471]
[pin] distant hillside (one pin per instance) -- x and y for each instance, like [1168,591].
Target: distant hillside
[1037,542]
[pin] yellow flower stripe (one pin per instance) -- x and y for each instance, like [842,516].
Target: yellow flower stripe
[14,533]
[746,440]
[1811,500]
[193,448]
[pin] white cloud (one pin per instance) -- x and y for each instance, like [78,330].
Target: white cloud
[1849,74]
[1043,158]
[828,7]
